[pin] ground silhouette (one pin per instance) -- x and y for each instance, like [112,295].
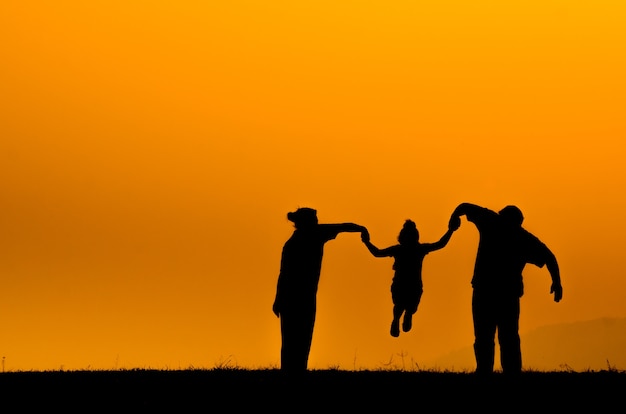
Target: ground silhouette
[237,389]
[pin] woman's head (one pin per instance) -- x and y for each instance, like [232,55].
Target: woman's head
[409,233]
[303,217]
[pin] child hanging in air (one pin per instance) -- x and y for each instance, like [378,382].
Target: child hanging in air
[406,286]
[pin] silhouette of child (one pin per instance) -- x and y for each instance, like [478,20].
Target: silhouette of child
[406,286]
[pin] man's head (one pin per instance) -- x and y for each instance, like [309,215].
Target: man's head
[512,216]
[303,217]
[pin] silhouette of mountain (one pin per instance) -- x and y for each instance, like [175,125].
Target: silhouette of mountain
[597,344]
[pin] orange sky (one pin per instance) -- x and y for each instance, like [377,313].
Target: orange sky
[150,150]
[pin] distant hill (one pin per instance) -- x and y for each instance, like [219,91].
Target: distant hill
[597,344]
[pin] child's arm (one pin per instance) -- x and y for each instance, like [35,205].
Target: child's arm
[375,251]
[441,243]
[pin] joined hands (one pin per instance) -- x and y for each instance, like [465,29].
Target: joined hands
[454,223]
[365,235]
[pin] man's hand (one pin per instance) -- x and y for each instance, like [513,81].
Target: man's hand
[454,223]
[557,289]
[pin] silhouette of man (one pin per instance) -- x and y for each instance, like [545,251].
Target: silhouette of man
[504,249]
[296,291]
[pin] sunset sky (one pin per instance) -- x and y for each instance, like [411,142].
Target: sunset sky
[150,151]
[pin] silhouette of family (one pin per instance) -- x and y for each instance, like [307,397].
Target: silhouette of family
[504,249]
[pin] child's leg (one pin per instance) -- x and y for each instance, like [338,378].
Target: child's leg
[410,311]
[395,324]
[407,322]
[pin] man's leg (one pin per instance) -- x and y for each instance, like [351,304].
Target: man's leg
[508,336]
[484,332]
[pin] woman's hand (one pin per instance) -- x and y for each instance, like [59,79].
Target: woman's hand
[365,235]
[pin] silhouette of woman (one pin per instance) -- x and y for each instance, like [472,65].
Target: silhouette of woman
[300,267]
[406,286]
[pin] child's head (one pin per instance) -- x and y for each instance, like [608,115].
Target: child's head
[409,233]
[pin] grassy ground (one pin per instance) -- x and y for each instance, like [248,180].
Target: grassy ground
[240,390]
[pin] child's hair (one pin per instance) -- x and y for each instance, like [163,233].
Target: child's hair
[409,233]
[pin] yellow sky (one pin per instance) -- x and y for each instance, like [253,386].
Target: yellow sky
[150,150]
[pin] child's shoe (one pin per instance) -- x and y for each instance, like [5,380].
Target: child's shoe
[395,328]
[407,322]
